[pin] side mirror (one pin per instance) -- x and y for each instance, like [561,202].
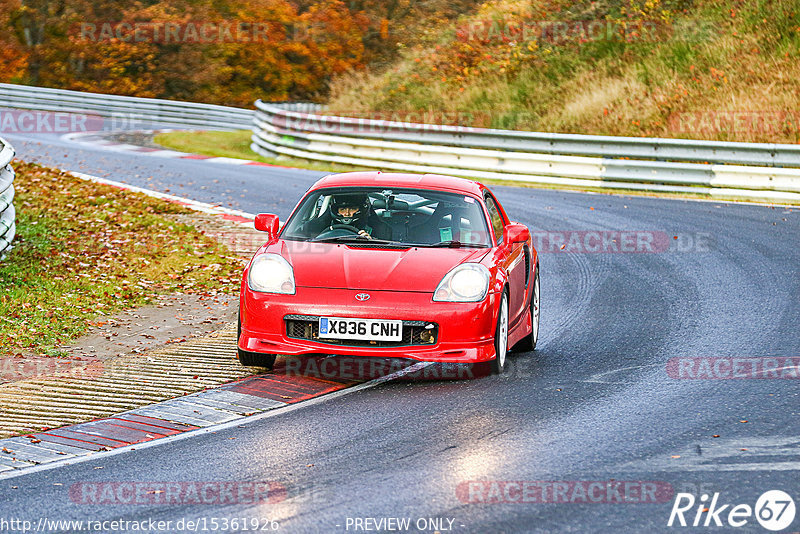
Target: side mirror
[267,222]
[516,233]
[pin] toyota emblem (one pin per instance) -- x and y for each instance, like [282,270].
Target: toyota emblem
[362,297]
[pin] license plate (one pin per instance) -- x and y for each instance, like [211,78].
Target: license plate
[365,329]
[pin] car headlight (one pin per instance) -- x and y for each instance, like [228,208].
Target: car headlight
[468,282]
[271,273]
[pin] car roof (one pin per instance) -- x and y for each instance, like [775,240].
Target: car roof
[392,179]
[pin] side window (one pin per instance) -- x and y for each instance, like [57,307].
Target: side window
[497,219]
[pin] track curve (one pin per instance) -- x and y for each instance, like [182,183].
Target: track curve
[595,402]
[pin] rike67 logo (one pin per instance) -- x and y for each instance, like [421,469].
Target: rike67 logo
[774,510]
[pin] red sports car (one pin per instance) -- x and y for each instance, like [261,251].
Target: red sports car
[393,265]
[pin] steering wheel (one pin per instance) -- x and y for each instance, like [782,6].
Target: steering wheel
[345,227]
[340,230]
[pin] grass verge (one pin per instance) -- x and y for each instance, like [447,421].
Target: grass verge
[85,250]
[234,145]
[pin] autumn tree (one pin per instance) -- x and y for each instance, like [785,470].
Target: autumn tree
[13,56]
[92,45]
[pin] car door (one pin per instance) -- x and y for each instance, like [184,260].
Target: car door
[512,258]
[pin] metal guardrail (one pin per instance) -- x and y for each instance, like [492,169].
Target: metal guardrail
[762,154]
[671,165]
[7,214]
[167,112]
[747,170]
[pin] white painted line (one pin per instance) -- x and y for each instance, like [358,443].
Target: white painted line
[223,426]
[76,137]
[171,416]
[228,161]
[95,139]
[599,377]
[189,203]
[164,153]
[9,462]
[122,147]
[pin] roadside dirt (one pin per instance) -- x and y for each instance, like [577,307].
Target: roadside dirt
[175,318]
[172,319]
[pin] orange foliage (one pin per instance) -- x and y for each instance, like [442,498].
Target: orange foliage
[13,57]
[263,48]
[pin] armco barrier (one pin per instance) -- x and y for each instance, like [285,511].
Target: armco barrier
[755,171]
[129,109]
[745,170]
[7,213]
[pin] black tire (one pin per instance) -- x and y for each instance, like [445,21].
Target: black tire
[501,337]
[252,359]
[528,343]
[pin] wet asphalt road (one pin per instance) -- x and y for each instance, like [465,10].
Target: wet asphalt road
[595,402]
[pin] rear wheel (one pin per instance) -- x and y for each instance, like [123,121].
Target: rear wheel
[252,359]
[528,343]
[501,336]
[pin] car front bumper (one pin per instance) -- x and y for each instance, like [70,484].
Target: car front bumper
[465,329]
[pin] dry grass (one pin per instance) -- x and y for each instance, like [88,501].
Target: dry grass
[725,71]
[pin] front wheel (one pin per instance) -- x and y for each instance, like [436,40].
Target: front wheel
[501,337]
[252,359]
[528,343]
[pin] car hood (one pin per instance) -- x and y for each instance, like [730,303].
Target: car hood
[389,269]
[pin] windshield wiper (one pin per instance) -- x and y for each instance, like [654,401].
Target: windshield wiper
[453,244]
[356,239]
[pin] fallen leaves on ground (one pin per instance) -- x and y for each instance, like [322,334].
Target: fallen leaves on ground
[85,250]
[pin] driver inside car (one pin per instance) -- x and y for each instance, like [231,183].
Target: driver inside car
[350,212]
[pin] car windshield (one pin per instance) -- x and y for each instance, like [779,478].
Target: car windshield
[394,217]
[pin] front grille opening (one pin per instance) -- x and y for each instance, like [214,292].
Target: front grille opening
[414,333]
